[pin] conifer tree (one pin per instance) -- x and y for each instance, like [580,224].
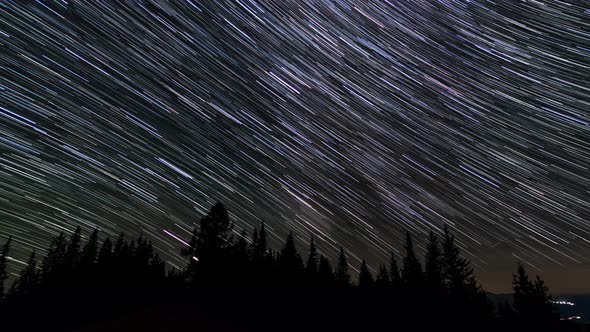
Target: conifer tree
[261,244]
[105,255]
[411,270]
[394,274]
[366,280]
[157,270]
[433,265]
[531,298]
[213,237]
[260,253]
[458,274]
[325,272]
[460,282]
[342,274]
[89,252]
[190,254]
[52,265]
[240,252]
[253,245]
[72,254]
[143,252]
[290,262]
[311,268]
[3,265]
[29,278]
[544,306]
[383,280]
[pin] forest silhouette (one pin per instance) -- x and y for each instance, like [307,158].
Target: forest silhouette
[238,283]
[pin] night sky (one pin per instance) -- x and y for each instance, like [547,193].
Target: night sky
[354,121]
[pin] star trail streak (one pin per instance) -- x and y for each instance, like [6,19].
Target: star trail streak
[353,121]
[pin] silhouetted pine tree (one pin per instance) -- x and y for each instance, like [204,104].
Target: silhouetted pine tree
[546,310]
[383,280]
[157,271]
[28,279]
[433,266]
[104,265]
[457,270]
[52,265]
[325,273]
[3,265]
[105,255]
[260,246]
[290,262]
[213,241]
[142,260]
[72,255]
[120,247]
[90,250]
[523,293]
[412,270]
[532,300]
[253,245]
[459,279]
[239,255]
[213,235]
[342,274]
[366,280]
[394,275]
[191,258]
[311,268]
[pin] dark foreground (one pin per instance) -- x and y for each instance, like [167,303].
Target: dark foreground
[242,310]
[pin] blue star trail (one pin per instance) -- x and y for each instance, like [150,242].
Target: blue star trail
[353,121]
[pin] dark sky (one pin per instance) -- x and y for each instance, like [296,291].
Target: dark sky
[354,121]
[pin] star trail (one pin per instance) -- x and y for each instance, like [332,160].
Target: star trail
[353,121]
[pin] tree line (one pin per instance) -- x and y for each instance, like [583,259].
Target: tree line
[235,278]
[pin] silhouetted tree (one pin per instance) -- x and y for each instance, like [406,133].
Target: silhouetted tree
[3,265]
[105,255]
[383,280]
[90,250]
[290,262]
[394,275]
[366,280]
[52,265]
[433,265]
[523,292]
[311,268]
[28,279]
[325,272]
[192,260]
[240,254]
[460,281]
[259,246]
[72,254]
[342,274]
[157,270]
[531,299]
[411,270]
[213,235]
[254,244]
[457,271]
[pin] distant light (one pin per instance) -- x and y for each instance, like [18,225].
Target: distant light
[562,302]
[195,259]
